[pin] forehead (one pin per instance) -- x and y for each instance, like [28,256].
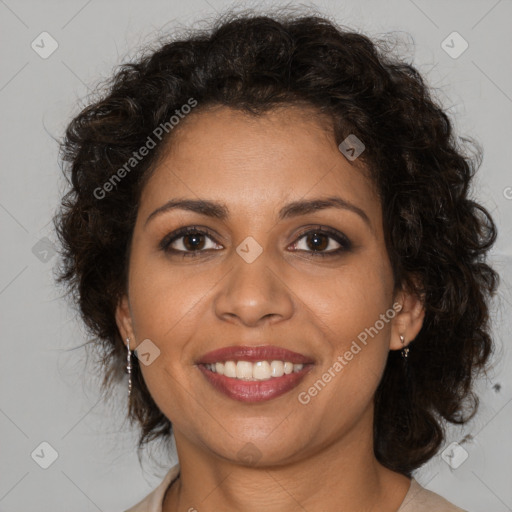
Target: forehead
[253,162]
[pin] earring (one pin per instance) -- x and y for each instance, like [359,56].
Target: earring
[405,350]
[129,367]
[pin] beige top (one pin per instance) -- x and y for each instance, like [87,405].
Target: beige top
[417,499]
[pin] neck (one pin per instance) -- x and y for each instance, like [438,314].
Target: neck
[343,475]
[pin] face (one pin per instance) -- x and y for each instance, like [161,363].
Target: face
[261,273]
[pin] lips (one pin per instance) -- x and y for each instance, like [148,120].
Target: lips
[254,391]
[253,354]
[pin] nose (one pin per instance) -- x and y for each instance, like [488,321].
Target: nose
[254,293]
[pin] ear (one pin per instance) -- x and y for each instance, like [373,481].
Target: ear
[408,321]
[124,320]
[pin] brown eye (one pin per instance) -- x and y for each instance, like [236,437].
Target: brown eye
[322,242]
[190,241]
[193,242]
[317,241]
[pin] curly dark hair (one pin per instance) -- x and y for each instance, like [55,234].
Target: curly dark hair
[437,237]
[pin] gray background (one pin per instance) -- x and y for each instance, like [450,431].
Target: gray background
[48,392]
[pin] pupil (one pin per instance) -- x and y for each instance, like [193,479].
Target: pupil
[196,242]
[315,238]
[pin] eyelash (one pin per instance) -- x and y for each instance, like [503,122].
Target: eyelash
[345,244]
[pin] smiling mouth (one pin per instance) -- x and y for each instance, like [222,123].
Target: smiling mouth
[257,371]
[254,374]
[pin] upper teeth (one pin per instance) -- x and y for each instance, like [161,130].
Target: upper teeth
[260,370]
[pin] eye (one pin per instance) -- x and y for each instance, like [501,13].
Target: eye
[192,240]
[322,242]
[189,241]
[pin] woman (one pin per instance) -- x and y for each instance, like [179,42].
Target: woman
[276,216]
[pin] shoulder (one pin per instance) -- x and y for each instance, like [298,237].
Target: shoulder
[153,501]
[419,499]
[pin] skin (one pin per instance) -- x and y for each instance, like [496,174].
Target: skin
[316,456]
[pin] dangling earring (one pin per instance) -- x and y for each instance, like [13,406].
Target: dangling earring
[129,367]
[405,350]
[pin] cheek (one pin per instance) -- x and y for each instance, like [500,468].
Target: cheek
[164,304]
[162,298]
[353,309]
[349,300]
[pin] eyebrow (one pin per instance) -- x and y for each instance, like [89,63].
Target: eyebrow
[294,209]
